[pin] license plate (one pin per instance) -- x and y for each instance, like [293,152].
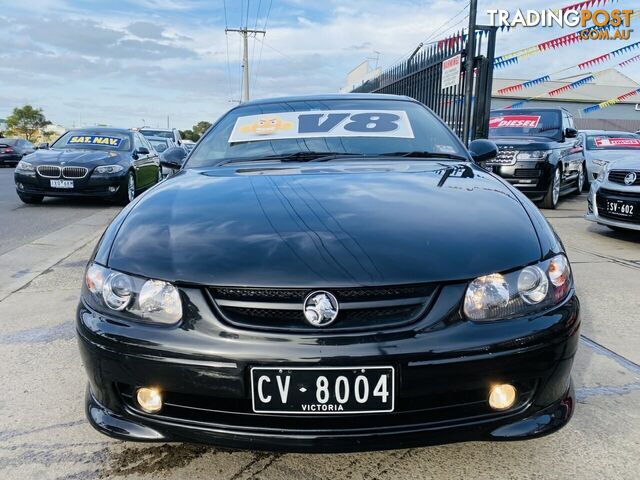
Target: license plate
[321,391]
[62,183]
[620,207]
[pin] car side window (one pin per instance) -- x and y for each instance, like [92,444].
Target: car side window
[137,142]
[146,143]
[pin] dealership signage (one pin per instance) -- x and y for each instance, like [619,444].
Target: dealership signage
[451,72]
[518,121]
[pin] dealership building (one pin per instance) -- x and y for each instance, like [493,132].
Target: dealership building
[608,84]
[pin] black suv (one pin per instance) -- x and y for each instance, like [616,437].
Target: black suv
[539,152]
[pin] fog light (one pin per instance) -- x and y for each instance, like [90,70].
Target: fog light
[113,189]
[20,186]
[149,399]
[502,396]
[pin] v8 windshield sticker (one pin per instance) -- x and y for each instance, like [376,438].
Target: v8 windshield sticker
[322,123]
[517,121]
[95,140]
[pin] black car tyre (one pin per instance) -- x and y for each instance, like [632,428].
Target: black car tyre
[550,200]
[31,199]
[127,190]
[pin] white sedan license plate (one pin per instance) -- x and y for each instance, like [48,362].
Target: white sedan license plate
[317,391]
[621,208]
[62,183]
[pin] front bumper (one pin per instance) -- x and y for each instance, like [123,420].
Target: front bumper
[530,177]
[444,371]
[7,159]
[596,207]
[92,185]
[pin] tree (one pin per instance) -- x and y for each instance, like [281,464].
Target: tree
[196,131]
[201,127]
[187,135]
[27,121]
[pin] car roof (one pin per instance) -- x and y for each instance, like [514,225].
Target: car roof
[6,140]
[157,129]
[102,130]
[326,97]
[541,109]
[606,132]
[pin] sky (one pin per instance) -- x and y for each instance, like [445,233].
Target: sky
[134,62]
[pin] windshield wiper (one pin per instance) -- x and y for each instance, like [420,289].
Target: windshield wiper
[310,156]
[424,154]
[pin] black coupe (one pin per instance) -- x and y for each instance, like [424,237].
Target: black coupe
[96,162]
[329,273]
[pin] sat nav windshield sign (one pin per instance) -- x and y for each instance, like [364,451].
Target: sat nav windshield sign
[322,123]
[95,140]
[514,121]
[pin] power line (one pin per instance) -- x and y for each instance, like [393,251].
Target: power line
[266,19]
[226,37]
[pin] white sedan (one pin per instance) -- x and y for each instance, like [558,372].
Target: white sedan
[614,198]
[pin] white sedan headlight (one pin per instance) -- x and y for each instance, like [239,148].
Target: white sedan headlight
[153,301]
[532,289]
[109,169]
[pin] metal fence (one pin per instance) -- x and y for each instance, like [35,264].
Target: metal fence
[420,77]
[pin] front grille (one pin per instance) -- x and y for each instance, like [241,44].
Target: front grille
[506,156]
[527,173]
[618,176]
[611,195]
[74,172]
[444,403]
[49,171]
[359,308]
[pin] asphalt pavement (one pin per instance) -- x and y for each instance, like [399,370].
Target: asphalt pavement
[21,223]
[44,434]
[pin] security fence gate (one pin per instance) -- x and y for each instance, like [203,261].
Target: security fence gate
[420,77]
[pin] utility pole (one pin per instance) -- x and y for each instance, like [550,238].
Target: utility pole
[245,57]
[468,71]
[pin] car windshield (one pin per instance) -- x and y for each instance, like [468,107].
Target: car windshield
[613,141]
[308,130]
[8,141]
[518,123]
[159,144]
[92,140]
[157,133]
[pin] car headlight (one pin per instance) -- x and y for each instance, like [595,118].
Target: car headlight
[109,169]
[600,163]
[533,155]
[153,301]
[25,166]
[528,290]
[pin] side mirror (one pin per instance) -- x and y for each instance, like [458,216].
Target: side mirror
[570,132]
[173,158]
[142,151]
[43,146]
[482,150]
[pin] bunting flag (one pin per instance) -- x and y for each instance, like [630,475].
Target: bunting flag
[629,61]
[607,56]
[611,101]
[547,78]
[553,44]
[572,85]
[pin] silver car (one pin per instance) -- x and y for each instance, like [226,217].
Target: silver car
[614,198]
[600,148]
